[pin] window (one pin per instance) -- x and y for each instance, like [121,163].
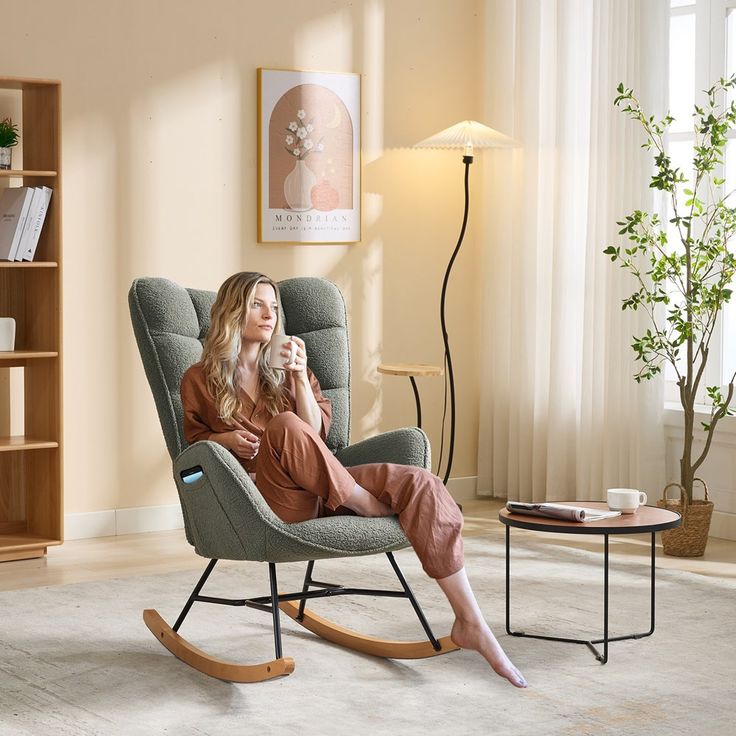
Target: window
[702,49]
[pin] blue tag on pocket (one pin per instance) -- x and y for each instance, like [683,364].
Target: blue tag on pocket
[192,476]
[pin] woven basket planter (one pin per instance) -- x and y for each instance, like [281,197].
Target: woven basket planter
[690,538]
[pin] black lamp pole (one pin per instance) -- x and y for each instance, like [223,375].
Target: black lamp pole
[467,160]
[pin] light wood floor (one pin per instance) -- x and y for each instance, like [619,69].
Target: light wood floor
[158,552]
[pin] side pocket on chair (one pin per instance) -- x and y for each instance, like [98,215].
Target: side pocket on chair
[211,529]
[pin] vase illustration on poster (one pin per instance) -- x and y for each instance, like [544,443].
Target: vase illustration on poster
[311,151]
[298,187]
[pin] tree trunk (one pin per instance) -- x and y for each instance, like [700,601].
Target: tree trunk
[686,462]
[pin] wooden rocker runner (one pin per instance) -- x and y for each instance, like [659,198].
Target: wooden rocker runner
[281,665]
[225,517]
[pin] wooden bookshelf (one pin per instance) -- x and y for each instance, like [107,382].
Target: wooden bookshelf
[31,464]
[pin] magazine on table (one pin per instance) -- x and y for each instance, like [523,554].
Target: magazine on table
[560,511]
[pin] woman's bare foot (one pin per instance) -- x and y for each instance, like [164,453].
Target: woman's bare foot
[365,503]
[479,638]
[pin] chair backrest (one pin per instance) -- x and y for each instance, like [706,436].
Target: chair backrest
[170,324]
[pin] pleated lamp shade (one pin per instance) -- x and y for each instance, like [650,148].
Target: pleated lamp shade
[468,134]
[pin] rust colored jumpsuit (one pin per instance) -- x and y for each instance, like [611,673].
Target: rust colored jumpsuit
[301,479]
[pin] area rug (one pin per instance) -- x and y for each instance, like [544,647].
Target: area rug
[77,659]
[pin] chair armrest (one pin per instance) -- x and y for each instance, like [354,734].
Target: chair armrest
[407,446]
[225,516]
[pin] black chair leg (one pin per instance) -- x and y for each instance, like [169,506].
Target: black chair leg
[195,593]
[305,588]
[417,608]
[275,608]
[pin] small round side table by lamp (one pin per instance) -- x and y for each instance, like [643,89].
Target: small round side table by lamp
[411,370]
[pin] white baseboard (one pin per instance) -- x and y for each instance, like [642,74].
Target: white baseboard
[723,526]
[163,518]
[463,489]
[92,524]
[123,521]
[148,519]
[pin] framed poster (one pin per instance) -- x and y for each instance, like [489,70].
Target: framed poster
[308,157]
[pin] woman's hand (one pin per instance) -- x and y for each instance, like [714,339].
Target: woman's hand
[241,443]
[306,403]
[299,364]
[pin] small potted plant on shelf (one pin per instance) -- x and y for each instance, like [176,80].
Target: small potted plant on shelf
[8,139]
[683,282]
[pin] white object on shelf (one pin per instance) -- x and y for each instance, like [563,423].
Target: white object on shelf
[7,334]
[36,217]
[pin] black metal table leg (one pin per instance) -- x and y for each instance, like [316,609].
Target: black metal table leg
[508,584]
[416,399]
[604,659]
[590,643]
[651,585]
[652,588]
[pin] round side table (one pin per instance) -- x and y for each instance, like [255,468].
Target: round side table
[411,370]
[647,519]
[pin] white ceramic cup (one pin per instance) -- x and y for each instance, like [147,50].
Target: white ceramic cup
[625,500]
[278,344]
[7,334]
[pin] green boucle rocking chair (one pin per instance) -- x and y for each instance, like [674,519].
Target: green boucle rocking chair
[225,517]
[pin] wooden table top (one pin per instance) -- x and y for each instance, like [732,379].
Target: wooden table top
[646,519]
[409,369]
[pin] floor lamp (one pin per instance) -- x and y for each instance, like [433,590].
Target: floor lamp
[467,135]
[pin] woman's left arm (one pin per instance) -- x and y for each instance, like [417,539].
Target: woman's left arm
[307,408]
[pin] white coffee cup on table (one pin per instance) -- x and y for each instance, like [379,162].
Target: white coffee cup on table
[625,500]
[279,344]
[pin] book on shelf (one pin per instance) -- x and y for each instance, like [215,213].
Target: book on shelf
[560,511]
[26,231]
[34,223]
[14,205]
[22,214]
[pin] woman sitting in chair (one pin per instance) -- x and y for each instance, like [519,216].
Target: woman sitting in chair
[234,398]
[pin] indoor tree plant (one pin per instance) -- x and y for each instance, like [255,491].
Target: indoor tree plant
[8,139]
[683,285]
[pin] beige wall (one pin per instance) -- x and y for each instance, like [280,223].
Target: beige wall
[159,156]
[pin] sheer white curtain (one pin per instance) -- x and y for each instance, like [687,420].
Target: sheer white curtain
[561,416]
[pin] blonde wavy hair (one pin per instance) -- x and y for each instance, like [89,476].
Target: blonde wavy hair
[222,348]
